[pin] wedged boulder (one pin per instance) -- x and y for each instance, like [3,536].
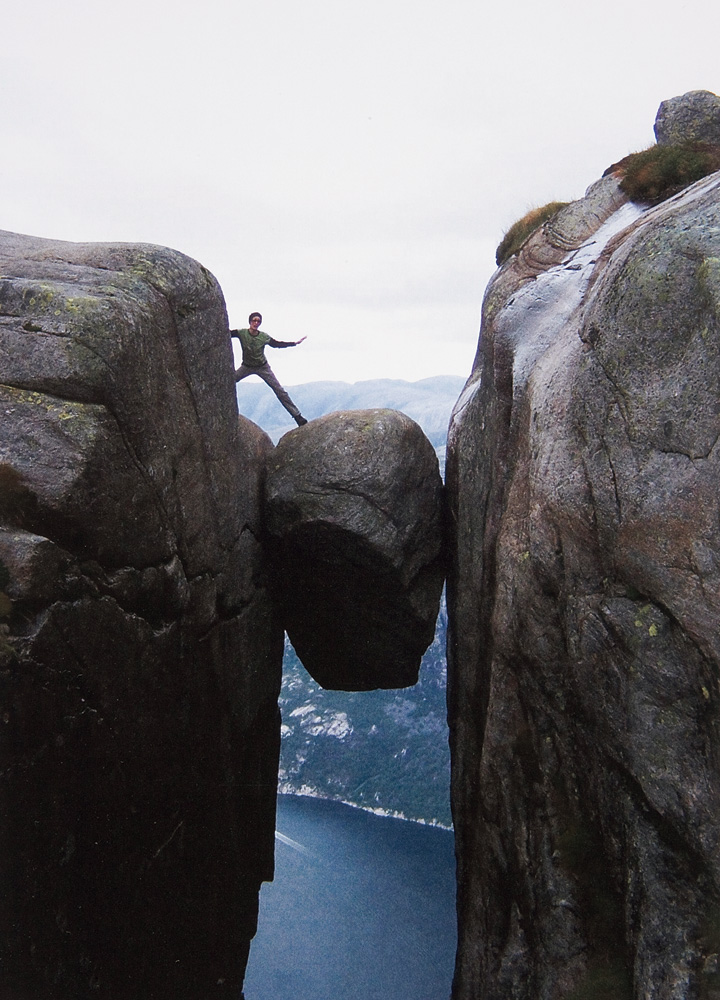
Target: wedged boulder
[692,117]
[584,647]
[141,665]
[354,519]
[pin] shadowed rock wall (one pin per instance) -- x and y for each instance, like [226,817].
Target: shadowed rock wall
[584,476]
[141,671]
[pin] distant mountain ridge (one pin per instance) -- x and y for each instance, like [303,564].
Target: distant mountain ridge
[428,401]
[384,751]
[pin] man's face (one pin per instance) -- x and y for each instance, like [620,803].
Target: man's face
[255,323]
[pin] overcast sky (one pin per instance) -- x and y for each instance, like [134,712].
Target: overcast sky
[347,169]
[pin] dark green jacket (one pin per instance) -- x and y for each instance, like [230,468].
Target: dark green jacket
[253,346]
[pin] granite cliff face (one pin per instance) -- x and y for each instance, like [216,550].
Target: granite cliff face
[584,649]
[141,670]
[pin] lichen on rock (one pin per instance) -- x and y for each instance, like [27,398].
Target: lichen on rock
[691,117]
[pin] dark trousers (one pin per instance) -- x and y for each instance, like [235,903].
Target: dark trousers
[268,376]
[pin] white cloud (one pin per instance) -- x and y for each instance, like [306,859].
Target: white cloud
[347,169]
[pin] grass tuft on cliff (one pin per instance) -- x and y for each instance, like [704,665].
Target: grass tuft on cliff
[520,230]
[659,172]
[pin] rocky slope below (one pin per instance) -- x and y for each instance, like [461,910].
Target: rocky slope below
[386,751]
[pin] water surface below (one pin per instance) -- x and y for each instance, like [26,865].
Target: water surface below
[362,906]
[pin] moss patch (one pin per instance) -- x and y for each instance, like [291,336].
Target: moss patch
[659,172]
[520,230]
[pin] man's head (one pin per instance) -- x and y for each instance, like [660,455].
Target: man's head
[255,319]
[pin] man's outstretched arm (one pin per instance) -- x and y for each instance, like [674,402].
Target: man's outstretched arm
[284,343]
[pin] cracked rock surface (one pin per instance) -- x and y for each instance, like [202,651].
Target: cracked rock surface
[584,604]
[354,518]
[142,664]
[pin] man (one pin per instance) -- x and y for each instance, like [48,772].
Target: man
[254,341]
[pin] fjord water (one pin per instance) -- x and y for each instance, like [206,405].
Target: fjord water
[362,906]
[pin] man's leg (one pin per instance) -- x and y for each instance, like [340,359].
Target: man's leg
[268,376]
